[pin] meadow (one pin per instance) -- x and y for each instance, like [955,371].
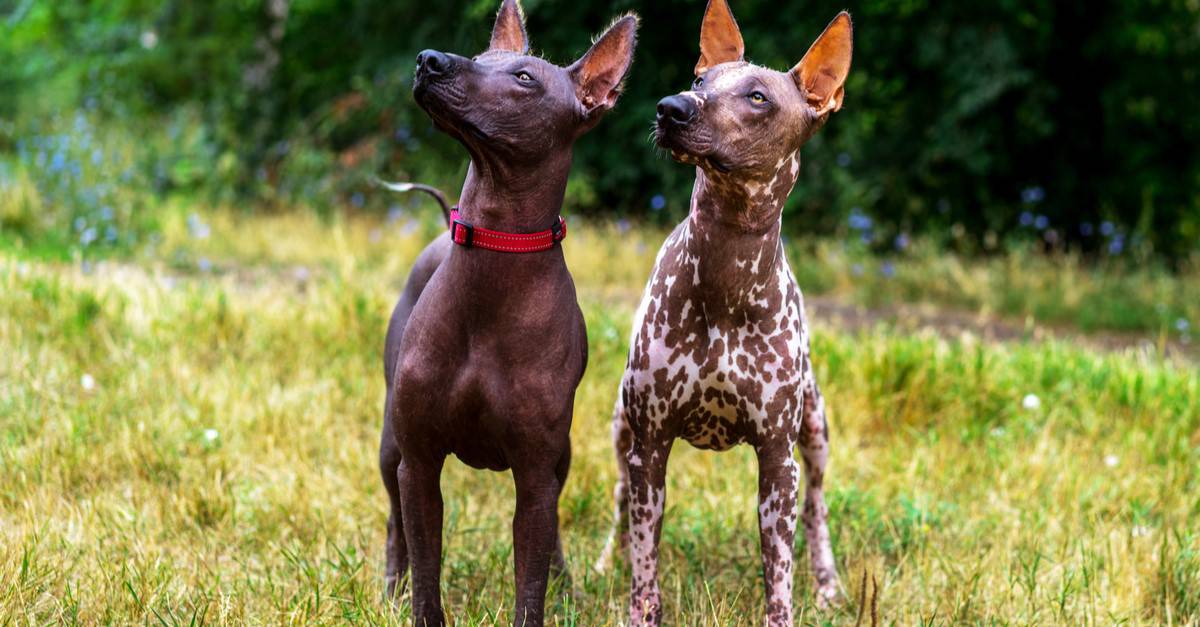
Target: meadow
[189,427]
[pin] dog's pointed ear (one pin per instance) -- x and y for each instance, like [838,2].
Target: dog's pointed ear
[509,31]
[821,74]
[720,39]
[598,74]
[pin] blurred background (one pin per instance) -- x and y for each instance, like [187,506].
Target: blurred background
[1058,126]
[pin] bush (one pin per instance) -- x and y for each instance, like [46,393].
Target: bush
[1064,123]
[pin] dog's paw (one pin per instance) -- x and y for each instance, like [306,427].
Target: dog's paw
[828,597]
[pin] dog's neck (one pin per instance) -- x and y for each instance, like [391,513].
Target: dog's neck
[514,199]
[744,203]
[734,226]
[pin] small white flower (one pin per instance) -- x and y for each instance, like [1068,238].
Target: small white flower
[1139,531]
[998,432]
[1031,402]
[88,382]
[149,39]
[211,435]
[1111,461]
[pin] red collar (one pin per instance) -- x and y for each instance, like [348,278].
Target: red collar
[464,234]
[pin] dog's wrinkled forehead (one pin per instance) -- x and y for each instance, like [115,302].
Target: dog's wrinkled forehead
[505,60]
[741,78]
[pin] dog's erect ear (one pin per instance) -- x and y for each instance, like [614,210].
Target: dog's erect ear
[822,72]
[720,39]
[509,31]
[599,72]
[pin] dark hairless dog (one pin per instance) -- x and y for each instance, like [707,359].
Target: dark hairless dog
[720,348]
[487,344]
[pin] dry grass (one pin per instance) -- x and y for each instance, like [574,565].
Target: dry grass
[222,466]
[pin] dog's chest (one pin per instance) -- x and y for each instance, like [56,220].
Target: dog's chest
[718,364]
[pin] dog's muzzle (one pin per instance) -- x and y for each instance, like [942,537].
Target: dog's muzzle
[676,112]
[432,65]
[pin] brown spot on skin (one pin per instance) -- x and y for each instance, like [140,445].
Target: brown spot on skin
[721,351]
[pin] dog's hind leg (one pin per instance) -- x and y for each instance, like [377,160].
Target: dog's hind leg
[814,447]
[397,549]
[618,536]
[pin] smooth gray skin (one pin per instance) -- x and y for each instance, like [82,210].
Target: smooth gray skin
[485,349]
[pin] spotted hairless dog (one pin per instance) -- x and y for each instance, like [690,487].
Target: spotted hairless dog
[487,343]
[720,348]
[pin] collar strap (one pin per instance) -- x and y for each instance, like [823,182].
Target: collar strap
[469,236]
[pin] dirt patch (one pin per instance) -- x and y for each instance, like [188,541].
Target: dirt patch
[824,310]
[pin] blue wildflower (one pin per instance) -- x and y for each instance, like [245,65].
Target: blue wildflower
[858,220]
[1032,195]
[1086,229]
[1041,222]
[901,242]
[197,227]
[1107,228]
[622,226]
[1117,244]
[888,269]
[1026,218]
[1182,325]
[357,200]
[657,202]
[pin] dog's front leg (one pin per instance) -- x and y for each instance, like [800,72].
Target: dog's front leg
[535,539]
[778,490]
[647,467]
[814,446]
[421,499]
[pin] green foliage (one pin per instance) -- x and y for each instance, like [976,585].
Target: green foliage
[1062,123]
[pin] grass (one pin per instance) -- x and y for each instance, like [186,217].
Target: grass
[179,445]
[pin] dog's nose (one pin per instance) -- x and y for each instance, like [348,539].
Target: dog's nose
[433,62]
[678,110]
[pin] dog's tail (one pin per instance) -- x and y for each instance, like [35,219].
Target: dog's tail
[420,187]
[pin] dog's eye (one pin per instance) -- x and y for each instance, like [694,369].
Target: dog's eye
[758,98]
[524,77]
[698,83]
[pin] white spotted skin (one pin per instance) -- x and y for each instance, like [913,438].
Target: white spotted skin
[719,356]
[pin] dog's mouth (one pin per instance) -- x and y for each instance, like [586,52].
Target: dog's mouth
[438,99]
[699,160]
[686,149]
